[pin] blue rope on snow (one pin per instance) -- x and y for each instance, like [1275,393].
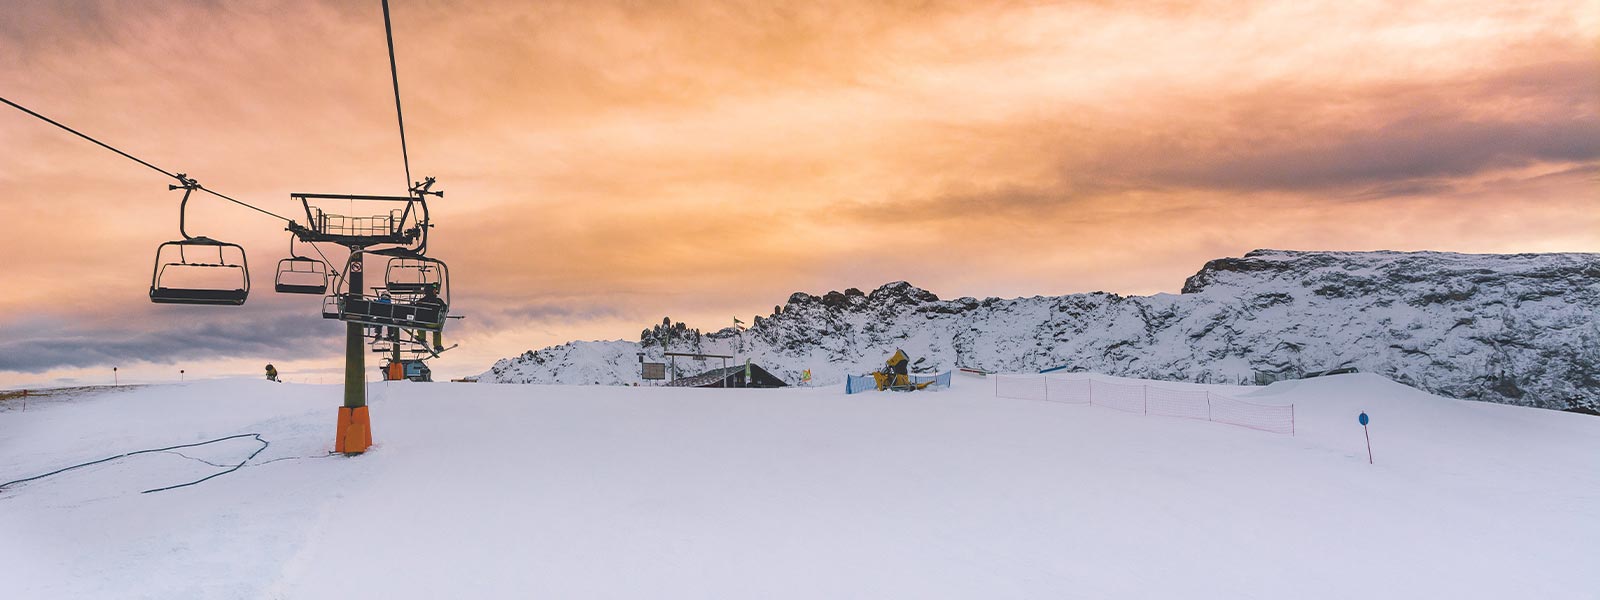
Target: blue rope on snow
[257,436]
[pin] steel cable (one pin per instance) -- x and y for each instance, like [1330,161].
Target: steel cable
[181,180]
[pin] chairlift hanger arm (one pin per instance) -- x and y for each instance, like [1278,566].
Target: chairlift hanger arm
[298,195]
[188,187]
[420,188]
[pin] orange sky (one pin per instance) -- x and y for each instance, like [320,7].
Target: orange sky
[606,164]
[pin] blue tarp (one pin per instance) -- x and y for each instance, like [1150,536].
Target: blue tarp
[859,383]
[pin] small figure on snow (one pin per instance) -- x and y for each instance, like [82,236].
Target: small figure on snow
[272,373]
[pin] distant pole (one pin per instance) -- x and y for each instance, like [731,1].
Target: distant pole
[24,400]
[1363,419]
[180,374]
[114,381]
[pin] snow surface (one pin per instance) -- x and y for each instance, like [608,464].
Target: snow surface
[622,492]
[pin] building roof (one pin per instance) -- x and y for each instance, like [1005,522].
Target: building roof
[715,376]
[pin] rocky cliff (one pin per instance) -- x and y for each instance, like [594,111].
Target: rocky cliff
[1517,329]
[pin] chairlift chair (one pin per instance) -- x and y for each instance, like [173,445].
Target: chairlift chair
[330,306]
[176,279]
[413,275]
[406,309]
[410,315]
[300,275]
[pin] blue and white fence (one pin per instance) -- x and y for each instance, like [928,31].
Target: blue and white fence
[940,380]
[859,383]
[864,383]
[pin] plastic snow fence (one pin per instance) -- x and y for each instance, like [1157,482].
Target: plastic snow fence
[1266,417]
[1127,398]
[1148,400]
[1067,391]
[1021,387]
[1036,387]
[1177,403]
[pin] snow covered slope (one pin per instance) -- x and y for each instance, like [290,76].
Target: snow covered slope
[1515,329]
[530,491]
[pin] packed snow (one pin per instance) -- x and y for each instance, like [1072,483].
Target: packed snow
[640,492]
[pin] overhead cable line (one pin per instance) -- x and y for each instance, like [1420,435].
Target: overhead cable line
[246,205]
[183,180]
[325,260]
[394,75]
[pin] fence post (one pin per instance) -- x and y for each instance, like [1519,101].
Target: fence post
[1208,407]
[1291,423]
[1144,399]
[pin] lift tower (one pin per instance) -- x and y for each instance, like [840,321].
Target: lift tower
[399,224]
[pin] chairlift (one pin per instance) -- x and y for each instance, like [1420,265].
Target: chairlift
[179,279]
[405,225]
[413,275]
[301,275]
[425,305]
[330,306]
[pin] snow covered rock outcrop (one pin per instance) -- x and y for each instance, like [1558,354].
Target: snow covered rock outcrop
[1517,329]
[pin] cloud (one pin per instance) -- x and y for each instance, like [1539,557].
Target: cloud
[607,162]
[52,344]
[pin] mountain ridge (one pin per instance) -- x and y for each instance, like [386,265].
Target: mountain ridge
[1509,328]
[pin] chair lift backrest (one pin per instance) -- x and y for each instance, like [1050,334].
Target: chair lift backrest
[162,289]
[304,276]
[416,275]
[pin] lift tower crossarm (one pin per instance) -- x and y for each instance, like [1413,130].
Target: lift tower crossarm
[350,197]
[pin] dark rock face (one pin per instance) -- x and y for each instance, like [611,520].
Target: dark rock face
[1519,329]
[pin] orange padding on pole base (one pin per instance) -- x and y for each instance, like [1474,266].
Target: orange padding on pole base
[355,431]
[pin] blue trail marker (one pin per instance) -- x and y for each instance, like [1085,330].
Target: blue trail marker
[1363,418]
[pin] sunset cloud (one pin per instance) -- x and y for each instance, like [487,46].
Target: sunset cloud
[606,163]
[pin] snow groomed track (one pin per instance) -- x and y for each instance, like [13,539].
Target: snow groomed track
[621,492]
